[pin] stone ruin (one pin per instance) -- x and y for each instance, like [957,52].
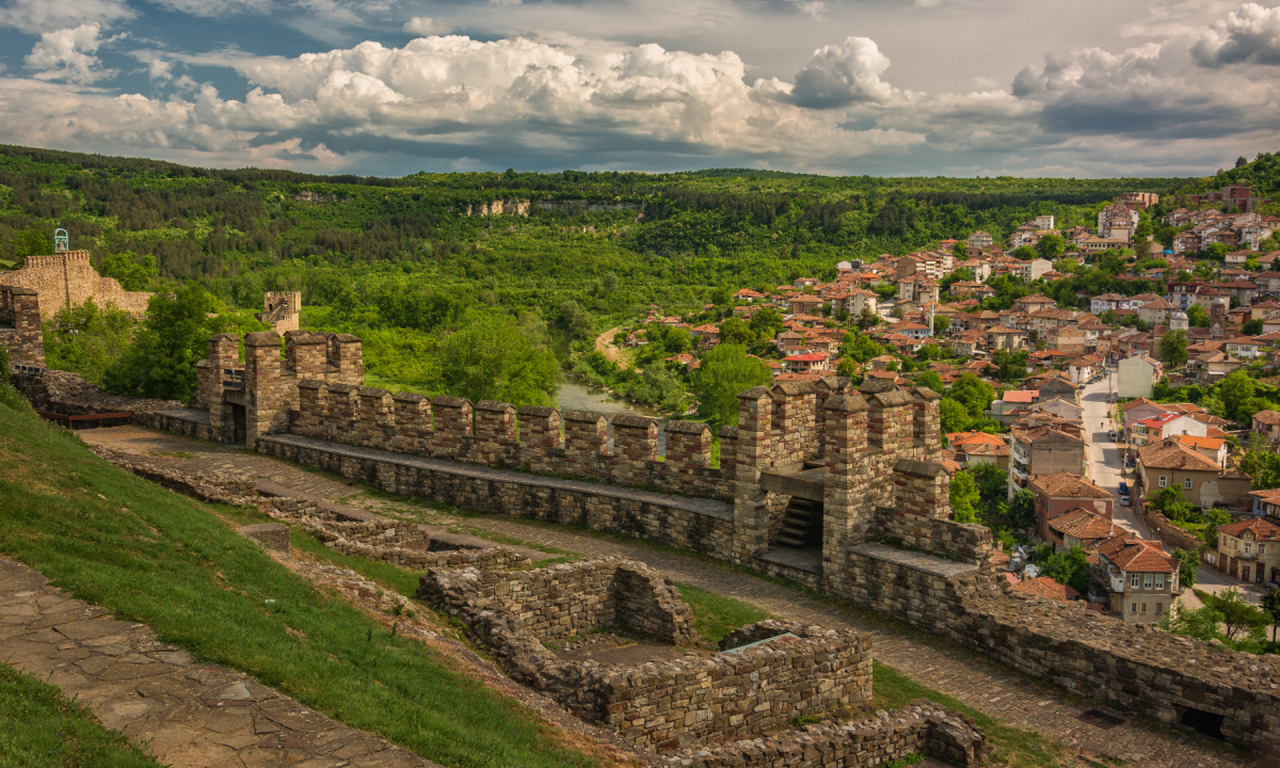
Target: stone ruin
[767,674]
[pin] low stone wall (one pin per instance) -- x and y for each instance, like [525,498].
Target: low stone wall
[221,488]
[183,421]
[923,728]
[1132,666]
[1162,528]
[661,706]
[700,525]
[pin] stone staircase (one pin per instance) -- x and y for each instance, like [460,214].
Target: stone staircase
[800,523]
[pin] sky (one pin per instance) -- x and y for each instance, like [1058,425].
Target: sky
[1083,88]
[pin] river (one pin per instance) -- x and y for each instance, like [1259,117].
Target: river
[576,397]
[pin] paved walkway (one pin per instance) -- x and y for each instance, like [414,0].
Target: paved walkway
[1011,698]
[182,713]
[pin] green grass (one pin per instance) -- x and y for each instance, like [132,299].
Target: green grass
[149,555]
[714,616]
[41,728]
[1019,748]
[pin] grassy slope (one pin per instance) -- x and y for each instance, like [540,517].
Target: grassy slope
[41,728]
[148,555]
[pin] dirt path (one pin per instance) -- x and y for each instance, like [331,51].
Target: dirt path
[1011,698]
[606,347]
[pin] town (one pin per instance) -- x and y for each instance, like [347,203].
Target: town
[1078,404]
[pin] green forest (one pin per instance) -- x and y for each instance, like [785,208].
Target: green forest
[408,262]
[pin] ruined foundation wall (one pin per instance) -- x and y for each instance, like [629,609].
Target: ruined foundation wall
[661,706]
[923,728]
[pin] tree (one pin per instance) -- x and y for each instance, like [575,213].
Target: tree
[490,358]
[1271,605]
[1022,509]
[134,273]
[953,416]
[575,320]
[1249,407]
[1197,316]
[860,347]
[941,324]
[734,330]
[1173,348]
[1051,246]
[1023,253]
[964,498]
[87,340]
[1200,623]
[1070,568]
[1252,327]
[174,337]
[1240,619]
[766,323]
[1010,366]
[973,393]
[1188,562]
[929,380]
[1233,390]
[726,372]
[1263,468]
[32,242]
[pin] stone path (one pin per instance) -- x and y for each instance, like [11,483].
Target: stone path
[1012,699]
[182,713]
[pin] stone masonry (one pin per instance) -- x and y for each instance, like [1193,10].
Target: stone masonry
[68,279]
[20,330]
[661,706]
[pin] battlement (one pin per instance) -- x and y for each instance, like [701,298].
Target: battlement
[68,279]
[281,310]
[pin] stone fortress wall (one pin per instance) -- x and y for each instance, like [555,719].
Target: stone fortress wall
[20,326]
[68,279]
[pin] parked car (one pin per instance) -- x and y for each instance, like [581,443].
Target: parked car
[1125,500]
[1111,435]
[1124,488]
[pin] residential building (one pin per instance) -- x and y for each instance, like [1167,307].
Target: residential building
[981,239]
[1138,376]
[1081,528]
[1203,483]
[1043,586]
[1141,581]
[1061,492]
[1250,550]
[1167,424]
[1267,424]
[1156,312]
[813,362]
[1042,450]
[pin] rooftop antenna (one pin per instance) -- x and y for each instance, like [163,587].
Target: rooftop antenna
[61,240]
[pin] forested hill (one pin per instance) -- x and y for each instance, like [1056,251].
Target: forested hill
[666,238]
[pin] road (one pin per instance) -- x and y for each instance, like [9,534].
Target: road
[1105,456]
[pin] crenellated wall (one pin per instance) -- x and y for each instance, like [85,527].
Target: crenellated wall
[533,438]
[21,331]
[68,279]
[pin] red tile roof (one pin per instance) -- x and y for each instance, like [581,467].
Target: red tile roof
[1131,553]
[1263,530]
[1043,586]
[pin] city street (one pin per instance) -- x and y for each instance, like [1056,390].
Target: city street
[1105,457]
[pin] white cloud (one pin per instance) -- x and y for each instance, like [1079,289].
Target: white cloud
[422,25]
[1248,34]
[840,75]
[37,16]
[67,54]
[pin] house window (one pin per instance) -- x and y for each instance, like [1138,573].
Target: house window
[1133,608]
[1262,548]
[1159,608]
[1159,581]
[1186,483]
[1144,607]
[1248,547]
[1133,580]
[1146,581]
[1163,481]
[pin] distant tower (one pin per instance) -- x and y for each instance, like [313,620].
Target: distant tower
[1179,321]
[61,241]
[1217,319]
